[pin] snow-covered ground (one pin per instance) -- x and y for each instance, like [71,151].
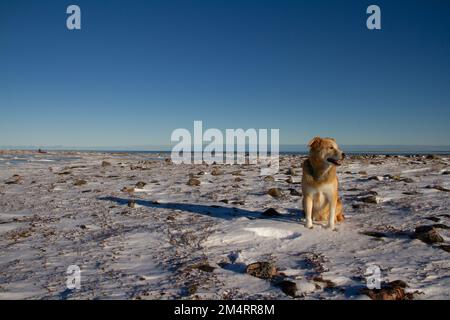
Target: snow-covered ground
[181,241]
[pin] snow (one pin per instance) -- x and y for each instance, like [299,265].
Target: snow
[151,251]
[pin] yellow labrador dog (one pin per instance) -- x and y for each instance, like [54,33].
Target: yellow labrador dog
[320,184]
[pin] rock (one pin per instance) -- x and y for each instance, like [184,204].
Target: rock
[434,219]
[394,290]
[201,173]
[370,199]
[79,182]
[407,180]
[378,178]
[224,200]
[288,287]
[140,184]
[269,179]
[364,173]
[64,173]
[240,202]
[411,193]
[445,247]
[290,180]
[82,226]
[328,283]
[295,193]
[396,293]
[427,228]
[237,179]
[359,205]
[445,172]
[395,177]
[205,268]
[398,283]
[192,289]
[106,164]
[131,203]
[271,212]
[375,234]
[237,173]
[440,188]
[262,270]
[127,189]
[274,192]
[432,157]
[15,179]
[193,182]
[291,172]
[216,172]
[427,235]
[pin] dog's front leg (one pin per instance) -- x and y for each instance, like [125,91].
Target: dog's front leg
[307,207]
[332,218]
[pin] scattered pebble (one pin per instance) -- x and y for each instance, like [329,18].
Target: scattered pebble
[193,182]
[79,182]
[140,184]
[274,192]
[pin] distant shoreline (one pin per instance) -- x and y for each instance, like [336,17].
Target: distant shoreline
[405,151]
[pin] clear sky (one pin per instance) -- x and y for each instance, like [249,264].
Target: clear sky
[137,70]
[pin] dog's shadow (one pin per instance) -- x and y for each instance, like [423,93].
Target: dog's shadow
[216,211]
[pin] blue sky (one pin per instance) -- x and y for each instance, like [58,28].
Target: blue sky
[137,70]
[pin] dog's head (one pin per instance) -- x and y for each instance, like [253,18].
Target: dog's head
[326,150]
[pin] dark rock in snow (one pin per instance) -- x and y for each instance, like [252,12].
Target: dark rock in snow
[205,268]
[79,182]
[370,199]
[428,235]
[262,270]
[394,290]
[216,172]
[288,287]
[106,164]
[374,234]
[140,184]
[291,172]
[193,182]
[274,192]
[295,193]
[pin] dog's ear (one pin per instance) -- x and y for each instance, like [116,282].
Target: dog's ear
[315,142]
